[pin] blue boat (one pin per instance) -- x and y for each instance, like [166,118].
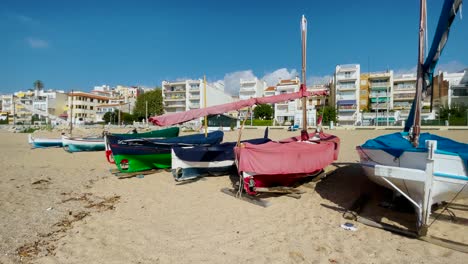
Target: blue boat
[190,162]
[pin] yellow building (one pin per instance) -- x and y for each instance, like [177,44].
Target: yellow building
[364,92]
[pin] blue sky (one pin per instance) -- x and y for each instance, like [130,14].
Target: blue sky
[79,44]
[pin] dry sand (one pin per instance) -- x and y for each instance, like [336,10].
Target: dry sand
[57,207]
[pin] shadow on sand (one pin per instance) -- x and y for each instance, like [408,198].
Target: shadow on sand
[348,182]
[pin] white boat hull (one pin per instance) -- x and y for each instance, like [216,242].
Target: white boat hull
[424,178]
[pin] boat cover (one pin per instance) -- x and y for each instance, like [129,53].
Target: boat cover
[177,118]
[397,143]
[276,158]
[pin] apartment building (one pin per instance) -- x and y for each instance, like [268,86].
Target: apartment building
[8,106]
[251,88]
[404,90]
[84,107]
[314,104]
[347,87]
[286,111]
[269,91]
[180,96]
[459,92]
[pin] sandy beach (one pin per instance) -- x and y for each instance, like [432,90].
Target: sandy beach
[58,207]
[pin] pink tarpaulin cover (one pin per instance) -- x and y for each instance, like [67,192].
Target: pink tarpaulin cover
[275,158]
[177,118]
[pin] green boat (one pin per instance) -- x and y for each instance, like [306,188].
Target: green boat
[162,133]
[133,155]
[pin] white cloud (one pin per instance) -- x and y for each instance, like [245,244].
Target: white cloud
[37,43]
[451,66]
[273,78]
[232,81]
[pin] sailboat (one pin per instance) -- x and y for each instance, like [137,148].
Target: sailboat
[273,163]
[424,168]
[279,164]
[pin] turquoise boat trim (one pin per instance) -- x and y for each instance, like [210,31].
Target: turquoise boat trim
[437,151]
[451,176]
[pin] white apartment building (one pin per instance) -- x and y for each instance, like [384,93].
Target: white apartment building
[455,87]
[7,103]
[404,90]
[286,111]
[84,107]
[252,88]
[347,85]
[181,96]
[459,92]
[269,91]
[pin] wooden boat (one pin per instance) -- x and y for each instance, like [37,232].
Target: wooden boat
[44,142]
[132,155]
[282,163]
[424,168]
[162,133]
[199,161]
[77,144]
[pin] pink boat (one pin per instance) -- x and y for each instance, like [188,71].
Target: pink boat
[281,163]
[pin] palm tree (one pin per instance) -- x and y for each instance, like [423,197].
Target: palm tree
[38,85]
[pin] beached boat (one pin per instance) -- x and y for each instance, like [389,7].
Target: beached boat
[132,155]
[273,163]
[282,163]
[78,144]
[200,161]
[162,133]
[424,168]
[44,142]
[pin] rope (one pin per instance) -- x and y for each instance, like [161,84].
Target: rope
[446,206]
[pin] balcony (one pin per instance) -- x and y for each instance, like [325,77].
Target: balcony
[340,77]
[379,85]
[247,90]
[174,91]
[346,88]
[174,98]
[346,118]
[175,105]
[380,95]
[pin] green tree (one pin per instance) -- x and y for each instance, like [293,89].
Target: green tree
[110,117]
[329,114]
[263,111]
[38,84]
[155,104]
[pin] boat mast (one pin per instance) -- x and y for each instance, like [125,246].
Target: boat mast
[204,105]
[304,134]
[71,113]
[420,83]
